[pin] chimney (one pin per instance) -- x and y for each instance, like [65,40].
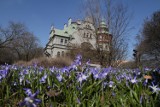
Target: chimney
[69,21]
[65,26]
[52,28]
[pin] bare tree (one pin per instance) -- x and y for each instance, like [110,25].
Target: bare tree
[117,18]
[149,43]
[26,46]
[11,33]
[19,43]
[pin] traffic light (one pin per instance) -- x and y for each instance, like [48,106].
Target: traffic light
[134,53]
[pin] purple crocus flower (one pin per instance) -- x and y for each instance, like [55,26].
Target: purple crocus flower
[28,91]
[78,101]
[43,79]
[3,73]
[111,84]
[95,72]
[141,99]
[104,84]
[145,82]
[59,77]
[21,78]
[147,69]
[82,77]
[30,100]
[155,88]
[65,69]
[96,75]
[134,80]
[88,62]
[73,67]
[103,74]
[25,71]
[78,60]
[79,57]
[113,94]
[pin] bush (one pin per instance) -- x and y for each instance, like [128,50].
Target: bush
[47,62]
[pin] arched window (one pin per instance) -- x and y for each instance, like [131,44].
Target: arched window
[58,54]
[86,46]
[63,53]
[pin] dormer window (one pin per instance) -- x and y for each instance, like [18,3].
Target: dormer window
[66,32]
[73,27]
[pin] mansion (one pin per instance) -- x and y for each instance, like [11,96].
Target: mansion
[77,33]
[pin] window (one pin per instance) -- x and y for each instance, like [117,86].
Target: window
[90,35]
[58,54]
[63,53]
[100,37]
[107,47]
[65,40]
[61,40]
[87,35]
[84,35]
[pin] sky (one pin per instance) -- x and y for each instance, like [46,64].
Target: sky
[39,15]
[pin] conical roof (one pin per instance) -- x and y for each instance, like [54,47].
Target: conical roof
[103,24]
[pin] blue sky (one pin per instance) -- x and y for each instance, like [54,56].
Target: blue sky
[39,15]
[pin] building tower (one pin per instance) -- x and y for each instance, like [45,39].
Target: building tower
[104,38]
